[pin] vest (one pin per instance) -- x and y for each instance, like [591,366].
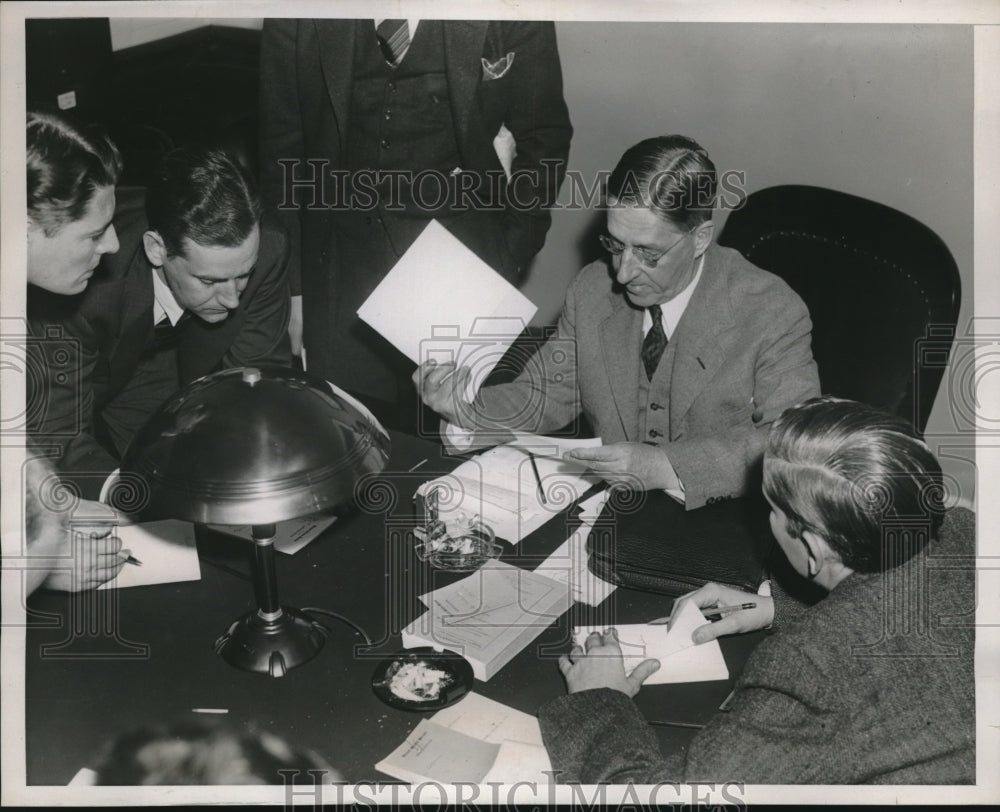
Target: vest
[654,415]
[401,121]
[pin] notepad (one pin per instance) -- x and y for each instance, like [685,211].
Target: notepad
[442,302]
[166,549]
[489,616]
[477,740]
[681,660]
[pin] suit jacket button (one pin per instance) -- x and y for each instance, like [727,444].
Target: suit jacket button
[385,143]
[655,433]
[655,406]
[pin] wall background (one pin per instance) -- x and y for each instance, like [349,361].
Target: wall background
[880,111]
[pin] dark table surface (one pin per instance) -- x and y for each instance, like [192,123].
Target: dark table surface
[100,664]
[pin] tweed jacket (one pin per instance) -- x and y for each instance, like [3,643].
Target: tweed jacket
[872,684]
[741,355]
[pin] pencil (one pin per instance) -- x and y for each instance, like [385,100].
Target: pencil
[538,479]
[708,611]
[133,560]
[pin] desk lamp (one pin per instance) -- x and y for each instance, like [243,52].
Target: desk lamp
[256,446]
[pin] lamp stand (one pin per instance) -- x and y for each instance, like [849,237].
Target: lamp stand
[273,639]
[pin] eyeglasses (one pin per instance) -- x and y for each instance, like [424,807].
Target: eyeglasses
[649,259]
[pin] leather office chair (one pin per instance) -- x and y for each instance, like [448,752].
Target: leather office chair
[882,289]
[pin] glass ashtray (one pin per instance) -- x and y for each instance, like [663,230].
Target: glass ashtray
[460,545]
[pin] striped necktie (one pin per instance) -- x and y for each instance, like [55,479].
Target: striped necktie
[393,39]
[654,343]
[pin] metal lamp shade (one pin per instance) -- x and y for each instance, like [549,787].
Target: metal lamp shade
[252,446]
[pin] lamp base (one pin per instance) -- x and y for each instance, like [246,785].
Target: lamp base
[271,645]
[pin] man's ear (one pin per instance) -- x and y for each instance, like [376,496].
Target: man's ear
[156,251]
[703,237]
[816,548]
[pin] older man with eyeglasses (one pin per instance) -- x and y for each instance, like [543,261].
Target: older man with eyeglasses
[679,352]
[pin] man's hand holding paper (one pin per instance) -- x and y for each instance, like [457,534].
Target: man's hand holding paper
[636,464]
[745,620]
[440,386]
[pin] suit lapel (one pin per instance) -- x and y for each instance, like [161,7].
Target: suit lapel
[698,341]
[463,50]
[336,52]
[620,343]
[137,323]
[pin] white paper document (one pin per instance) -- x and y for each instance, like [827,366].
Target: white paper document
[568,563]
[290,536]
[501,487]
[476,739]
[166,549]
[680,659]
[489,616]
[442,302]
[554,447]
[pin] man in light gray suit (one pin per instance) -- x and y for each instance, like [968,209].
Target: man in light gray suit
[680,353]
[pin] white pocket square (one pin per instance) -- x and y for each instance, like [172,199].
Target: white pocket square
[496,70]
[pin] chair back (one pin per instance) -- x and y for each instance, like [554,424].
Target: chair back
[882,289]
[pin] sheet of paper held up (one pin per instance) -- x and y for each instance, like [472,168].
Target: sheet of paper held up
[496,743]
[166,549]
[500,486]
[441,302]
[680,659]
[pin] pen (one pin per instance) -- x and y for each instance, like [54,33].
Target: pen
[133,560]
[708,612]
[538,479]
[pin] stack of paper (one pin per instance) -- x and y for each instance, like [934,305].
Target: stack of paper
[489,616]
[569,562]
[681,660]
[442,302]
[501,487]
[475,740]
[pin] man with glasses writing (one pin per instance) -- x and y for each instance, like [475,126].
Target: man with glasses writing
[680,353]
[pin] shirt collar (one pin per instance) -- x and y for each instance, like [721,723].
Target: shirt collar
[164,303]
[671,312]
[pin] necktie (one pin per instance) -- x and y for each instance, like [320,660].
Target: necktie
[393,39]
[654,343]
[165,334]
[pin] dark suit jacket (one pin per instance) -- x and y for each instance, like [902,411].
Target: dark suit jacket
[741,355]
[839,694]
[106,329]
[306,80]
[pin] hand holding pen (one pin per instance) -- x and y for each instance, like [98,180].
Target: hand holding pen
[737,611]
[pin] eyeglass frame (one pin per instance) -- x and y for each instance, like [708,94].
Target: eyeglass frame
[617,248]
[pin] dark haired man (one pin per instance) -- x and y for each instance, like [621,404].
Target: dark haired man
[874,683]
[680,353]
[199,284]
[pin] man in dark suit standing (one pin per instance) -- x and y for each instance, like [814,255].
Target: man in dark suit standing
[369,129]
[199,284]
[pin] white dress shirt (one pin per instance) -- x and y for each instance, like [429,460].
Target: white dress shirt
[164,304]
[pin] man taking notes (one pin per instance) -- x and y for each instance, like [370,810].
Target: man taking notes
[680,353]
[199,284]
[874,683]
